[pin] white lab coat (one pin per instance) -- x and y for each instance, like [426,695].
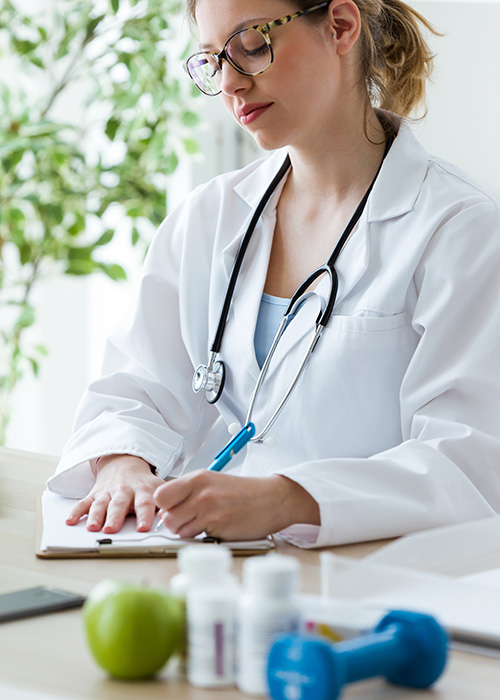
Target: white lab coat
[395,425]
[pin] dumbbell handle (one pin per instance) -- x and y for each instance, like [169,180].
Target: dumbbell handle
[375,654]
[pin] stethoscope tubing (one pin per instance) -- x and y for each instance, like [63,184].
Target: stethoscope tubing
[321,321]
[238,261]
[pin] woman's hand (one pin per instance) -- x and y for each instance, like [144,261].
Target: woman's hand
[233,507]
[124,484]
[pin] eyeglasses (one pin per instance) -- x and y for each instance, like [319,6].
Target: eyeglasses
[248,50]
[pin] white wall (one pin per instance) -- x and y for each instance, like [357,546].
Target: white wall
[462,124]
[75,315]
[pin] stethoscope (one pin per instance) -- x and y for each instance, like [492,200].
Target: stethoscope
[211,377]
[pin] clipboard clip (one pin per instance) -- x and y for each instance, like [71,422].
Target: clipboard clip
[208,539]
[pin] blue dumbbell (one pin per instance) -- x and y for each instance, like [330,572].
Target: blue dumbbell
[406,648]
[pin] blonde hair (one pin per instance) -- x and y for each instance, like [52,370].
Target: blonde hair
[395,59]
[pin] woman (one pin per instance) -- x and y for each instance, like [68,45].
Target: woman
[393,426]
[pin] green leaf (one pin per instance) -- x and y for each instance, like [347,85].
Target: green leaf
[191,146]
[34,366]
[37,61]
[81,267]
[92,26]
[171,162]
[190,118]
[25,319]
[23,46]
[106,237]
[115,5]
[115,272]
[135,211]
[112,127]
[16,214]
[25,253]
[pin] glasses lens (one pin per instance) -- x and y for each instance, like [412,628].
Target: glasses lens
[249,51]
[204,71]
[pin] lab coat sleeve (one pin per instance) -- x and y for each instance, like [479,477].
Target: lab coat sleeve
[143,404]
[447,468]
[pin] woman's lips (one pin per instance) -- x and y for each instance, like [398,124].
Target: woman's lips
[249,113]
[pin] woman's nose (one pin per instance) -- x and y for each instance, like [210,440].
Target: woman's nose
[232,81]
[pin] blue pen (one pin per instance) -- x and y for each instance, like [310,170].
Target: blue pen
[227,453]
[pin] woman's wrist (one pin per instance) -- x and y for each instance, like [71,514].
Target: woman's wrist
[125,460]
[296,505]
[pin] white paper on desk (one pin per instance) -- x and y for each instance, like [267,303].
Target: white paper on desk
[59,537]
[470,613]
[56,535]
[489,578]
[456,550]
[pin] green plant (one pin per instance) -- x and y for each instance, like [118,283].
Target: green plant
[93,119]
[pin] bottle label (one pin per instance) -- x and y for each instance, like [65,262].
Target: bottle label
[211,652]
[255,640]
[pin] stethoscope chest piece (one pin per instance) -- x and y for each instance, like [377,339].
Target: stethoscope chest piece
[210,378]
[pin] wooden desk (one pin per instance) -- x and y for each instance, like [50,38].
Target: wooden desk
[47,655]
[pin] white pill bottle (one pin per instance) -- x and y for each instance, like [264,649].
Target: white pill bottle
[211,593]
[268,606]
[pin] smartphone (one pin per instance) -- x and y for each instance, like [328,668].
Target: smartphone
[36,601]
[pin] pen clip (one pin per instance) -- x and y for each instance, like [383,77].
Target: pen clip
[240,440]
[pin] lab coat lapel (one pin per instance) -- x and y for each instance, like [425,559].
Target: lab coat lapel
[351,263]
[251,191]
[394,194]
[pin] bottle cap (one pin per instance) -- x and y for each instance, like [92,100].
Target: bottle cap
[204,559]
[274,574]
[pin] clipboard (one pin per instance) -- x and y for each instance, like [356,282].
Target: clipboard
[56,540]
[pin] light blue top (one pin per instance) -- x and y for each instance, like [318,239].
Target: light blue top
[270,316]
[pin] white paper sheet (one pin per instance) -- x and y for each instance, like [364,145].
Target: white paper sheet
[59,537]
[455,550]
[470,612]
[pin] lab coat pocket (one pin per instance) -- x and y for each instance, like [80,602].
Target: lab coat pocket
[356,374]
[367,322]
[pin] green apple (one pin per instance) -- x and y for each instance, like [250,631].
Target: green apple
[132,630]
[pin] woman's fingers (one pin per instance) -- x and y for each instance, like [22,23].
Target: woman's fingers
[191,529]
[145,510]
[78,511]
[186,502]
[172,493]
[118,508]
[97,513]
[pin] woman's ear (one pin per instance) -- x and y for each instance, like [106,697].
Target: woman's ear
[344,24]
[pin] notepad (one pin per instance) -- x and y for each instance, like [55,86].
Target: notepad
[468,609]
[58,540]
